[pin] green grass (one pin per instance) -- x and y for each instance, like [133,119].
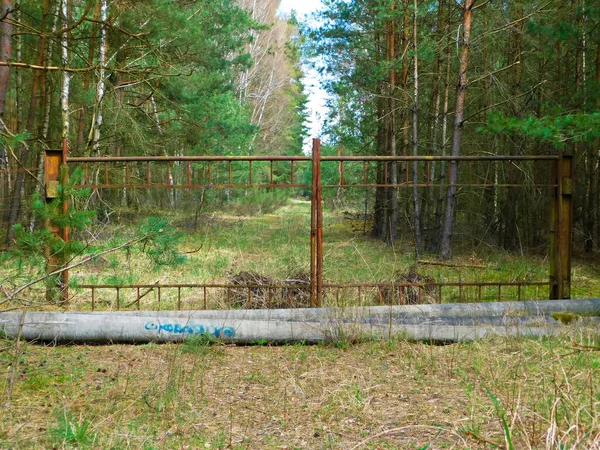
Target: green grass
[493,393]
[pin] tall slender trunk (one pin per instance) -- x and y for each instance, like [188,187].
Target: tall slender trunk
[511,239]
[66,81]
[160,131]
[416,201]
[434,132]
[87,77]
[440,200]
[45,123]
[6,30]
[15,207]
[101,77]
[19,73]
[405,79]
[451,197]
[404,110]
[596,178]
[392,223]
[379,208]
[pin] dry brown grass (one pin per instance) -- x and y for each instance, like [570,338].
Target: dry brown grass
[372,395]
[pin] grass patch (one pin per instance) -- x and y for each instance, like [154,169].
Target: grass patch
[386,394]
[494,393]
[200,344]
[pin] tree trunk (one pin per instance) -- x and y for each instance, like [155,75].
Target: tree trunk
[33,104]
[440,200]
[392,223]
[5,55]
[66,82]
[386,198]
[6,29]
[18,73]
[87,77]
[434,132]
[416,200]
[101,77]
[512,240]
[451,197]
[379,210]
[45,123]
[596,179]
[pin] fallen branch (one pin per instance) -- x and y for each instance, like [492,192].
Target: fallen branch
[439,263]
[194,251]
[581,349]
[15,361]
[141,296]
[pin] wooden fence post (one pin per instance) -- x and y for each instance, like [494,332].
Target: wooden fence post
[57,290]
[561,231]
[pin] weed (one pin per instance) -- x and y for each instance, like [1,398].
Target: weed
[500,412]
[220,440]
[256,377]
[566,318]
[71,431]
[357,393]
[199,344]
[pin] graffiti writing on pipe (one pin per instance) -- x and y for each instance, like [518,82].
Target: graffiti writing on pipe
[177,329]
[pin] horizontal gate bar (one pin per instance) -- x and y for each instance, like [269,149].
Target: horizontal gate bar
[100,159]
[218,172]
[325,285]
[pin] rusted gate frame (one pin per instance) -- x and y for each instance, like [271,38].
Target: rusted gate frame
[561,177]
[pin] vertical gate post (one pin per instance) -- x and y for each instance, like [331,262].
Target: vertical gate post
[316,228]
[56,285]
[561,232]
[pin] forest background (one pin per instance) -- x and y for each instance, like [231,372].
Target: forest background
[435,77]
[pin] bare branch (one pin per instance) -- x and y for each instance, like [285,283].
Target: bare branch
[480,5]
[502,69]
[77,264]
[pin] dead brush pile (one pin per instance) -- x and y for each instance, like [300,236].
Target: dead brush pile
[297,295]
[255,291]
[409,289]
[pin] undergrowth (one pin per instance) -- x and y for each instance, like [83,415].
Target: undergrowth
[217,245]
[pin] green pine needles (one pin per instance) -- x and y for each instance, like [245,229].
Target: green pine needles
[42,255]
[42,240]
[160,240]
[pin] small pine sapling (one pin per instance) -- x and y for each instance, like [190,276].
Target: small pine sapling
[47,244]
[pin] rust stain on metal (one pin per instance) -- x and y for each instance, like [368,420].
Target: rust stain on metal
[561,233]
[56,292]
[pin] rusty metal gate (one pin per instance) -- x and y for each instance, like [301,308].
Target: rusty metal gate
[198,172]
